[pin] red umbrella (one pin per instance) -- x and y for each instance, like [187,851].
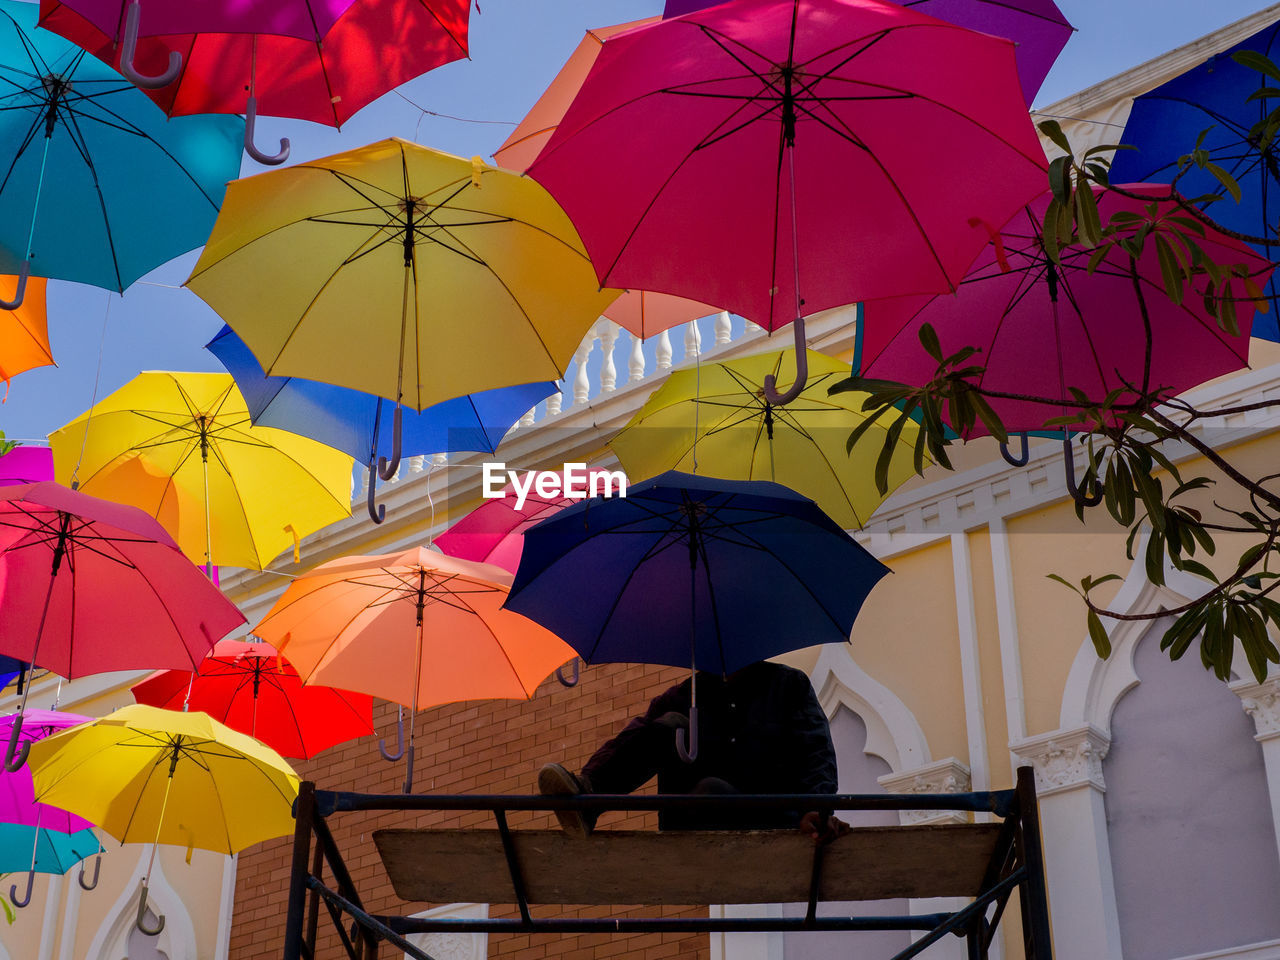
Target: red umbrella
[252,688]
[322,60]
[88,586]
[798,155]
[1045,328]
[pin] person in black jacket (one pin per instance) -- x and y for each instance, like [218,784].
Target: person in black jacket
[760,730]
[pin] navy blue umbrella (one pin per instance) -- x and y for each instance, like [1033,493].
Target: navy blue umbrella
[1165,123]
[361,424]
[717,574]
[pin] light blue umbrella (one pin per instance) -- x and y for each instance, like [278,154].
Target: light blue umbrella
[97,185]
[361,424]
[54,852]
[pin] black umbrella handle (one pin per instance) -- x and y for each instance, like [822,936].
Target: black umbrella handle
[250,122]
[571,681]
[688,748]
[388,470]
[23,272]
[141,921]
[13,890]
[802,371]
[1023,458]
[16,753]
[380,514]
[129,47]
[97,866]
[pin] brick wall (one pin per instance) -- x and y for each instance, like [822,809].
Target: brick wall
[476,747]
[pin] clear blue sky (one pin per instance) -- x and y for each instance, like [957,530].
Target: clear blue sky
[516,47]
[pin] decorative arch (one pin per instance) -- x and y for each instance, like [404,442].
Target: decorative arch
[177,939]
[893,733]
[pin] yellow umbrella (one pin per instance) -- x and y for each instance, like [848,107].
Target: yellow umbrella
[400,271]
[181,447]
[146,775]
[714,420]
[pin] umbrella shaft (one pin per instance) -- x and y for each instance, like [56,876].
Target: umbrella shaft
[44,159]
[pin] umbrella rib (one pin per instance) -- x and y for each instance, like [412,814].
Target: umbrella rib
[652,551]
[715,610]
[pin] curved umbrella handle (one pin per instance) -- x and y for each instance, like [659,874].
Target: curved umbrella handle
[1069,464]
[802,373]
[130,47]
[141,921]
[1022,459]
[16,753]
[23,272]
[408,770]
[377,516]
[688,749]
[382,744]
[388,470]
[560,674]
[250,122]
[97,866]
[13,890]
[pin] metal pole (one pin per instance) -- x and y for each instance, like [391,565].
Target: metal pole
[1036,929]
[304,815]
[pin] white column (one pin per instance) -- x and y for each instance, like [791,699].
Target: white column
[608,371]
[1077,854]
[664,351]
[970,664]
[1261,701]
[636,366]
[1007,625]
[692,340]
[222,947]
[723,328]
[746,946]
[527,420]
[49,930]
[581,385]
[554,403]
[71,915]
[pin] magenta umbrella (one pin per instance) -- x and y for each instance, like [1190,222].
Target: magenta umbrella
[1036,26]
[18,804]
[1043,329]
[88,586]
[791,160]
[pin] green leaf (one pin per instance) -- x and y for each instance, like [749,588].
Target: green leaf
[1053,130]
[1226,179]
[1087,221]
[863,427]
[1101,642]
[1154,559]
[1170,272]
[929,340]
[1256,61]
[1199,569]
[1060,179]
[1066,583]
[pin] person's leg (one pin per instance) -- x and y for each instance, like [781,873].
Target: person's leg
[700,819]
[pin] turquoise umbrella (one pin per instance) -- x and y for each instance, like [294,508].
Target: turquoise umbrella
[97,185]
[54,852]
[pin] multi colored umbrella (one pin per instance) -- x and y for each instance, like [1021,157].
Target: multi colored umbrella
[146,775]
[1036,26]
[716,421]
[1213,99]
[225,489]
[763,99]
[24,331]
[321,60]
[1045,328]
[252,688]
[417,628]
[361,424]
[100,187]
[55,837]
[431,252]
[89,586]
[716,574]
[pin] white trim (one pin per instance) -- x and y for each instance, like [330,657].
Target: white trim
[746,946]
[177,939]
[1266,950]
[948,775]
[49,925]
[893,734]
[70,919]
[970,662]
[226,907]
[1015,707]
[452,946]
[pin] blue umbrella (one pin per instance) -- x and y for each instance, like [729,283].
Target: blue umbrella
[717,574]
[98,185]
[361,423]
[1165,123]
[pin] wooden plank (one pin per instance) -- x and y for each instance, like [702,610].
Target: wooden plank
[687,867]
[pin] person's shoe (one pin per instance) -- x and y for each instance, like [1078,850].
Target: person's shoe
[555,781]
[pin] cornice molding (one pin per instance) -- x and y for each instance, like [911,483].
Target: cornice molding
[948,775]
[1065,759]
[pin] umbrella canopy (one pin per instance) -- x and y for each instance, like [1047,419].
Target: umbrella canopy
[1165,123]
[417,628]
[361,423]
[55,852]
[225,791]
[763,99]
[1036,26]
[493,532]
[321,60]
[100,187]
[434,254]
[24,332]
[715,421]
[229,492]
[1043,329]
[26,465]
[89,586]
[17,798]
[251,688]
[689,570]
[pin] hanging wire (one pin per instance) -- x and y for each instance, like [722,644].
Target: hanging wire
[97,377]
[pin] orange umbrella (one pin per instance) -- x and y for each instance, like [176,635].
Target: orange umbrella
[643,314]
[24,333]
[417,628]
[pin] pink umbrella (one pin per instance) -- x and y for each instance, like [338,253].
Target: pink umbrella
[89,586]
[17,795]
[788,162]
[318,60]
[26,465]
[1043,328]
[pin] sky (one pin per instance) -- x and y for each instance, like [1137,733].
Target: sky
[102,339]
